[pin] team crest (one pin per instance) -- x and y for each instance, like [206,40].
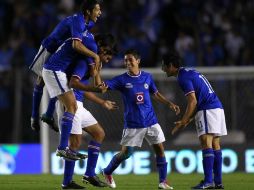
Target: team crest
[146,86]
[128,85]
[139,97]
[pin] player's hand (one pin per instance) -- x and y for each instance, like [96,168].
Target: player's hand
[178,126]
[109,105]
[103,89]
[175,108]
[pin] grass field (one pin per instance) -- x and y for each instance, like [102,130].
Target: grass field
[236,181]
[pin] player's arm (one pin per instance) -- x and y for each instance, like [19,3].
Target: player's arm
[109,105]
[160,98]
[189,112]
[75,83]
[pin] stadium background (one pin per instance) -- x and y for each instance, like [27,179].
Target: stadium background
[213,35]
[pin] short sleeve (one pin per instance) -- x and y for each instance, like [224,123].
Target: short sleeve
[114,84]
[77,27]
[186,85]
[81,69]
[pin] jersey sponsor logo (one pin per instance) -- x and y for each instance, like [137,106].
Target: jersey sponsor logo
[128,85]
[139,97]
[146,86]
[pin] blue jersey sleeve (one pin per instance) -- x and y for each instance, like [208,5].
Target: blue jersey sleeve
[186,85]
[152,88]
[114,84]
[81,69]
[77,27]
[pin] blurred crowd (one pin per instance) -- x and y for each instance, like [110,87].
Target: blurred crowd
[204,32]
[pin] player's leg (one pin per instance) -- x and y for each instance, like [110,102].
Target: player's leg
[217,166]
[98,135]
[37,94]
[124,154]
[47,117]
[68,183]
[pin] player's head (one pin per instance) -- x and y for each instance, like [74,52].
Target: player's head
[132,59]
[107,46]
[91,9]
[171,63]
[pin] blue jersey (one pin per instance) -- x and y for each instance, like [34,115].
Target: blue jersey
[192,81]
[81,68]
[66,55]
[135,90]
[71,27]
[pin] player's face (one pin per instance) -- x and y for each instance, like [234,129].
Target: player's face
[168,69]
[131,62]
[96,13]
[105,55]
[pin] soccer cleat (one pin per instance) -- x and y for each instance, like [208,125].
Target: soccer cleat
[95,181]
[35,124]
[109,180]
[164,185]
[72,185]
[67,154]
[50,121]
[82,156]
[204,185]
[219,186]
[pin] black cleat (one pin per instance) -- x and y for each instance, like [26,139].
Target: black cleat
[82,156]
[95,181]
[72,185]
[50,121]
[203,185]
[35,124]
[219,186]
[67,154]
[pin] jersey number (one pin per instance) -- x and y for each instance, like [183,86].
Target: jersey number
[207,83]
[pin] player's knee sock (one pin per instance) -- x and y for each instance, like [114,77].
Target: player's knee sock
[114,163]
[208,160]
[51,107]
[66,125]
[162,168]
[93,154]
[217,167]
[37,94]
[68,171]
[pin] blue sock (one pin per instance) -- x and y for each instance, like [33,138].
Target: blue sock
[37,94]
[93,154]
[51,107]
[68,171]
[162,168]
[208,160]
[66,125]
[114,163]
[217,167]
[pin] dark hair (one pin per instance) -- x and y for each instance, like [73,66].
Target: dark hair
[106,40]
[89,5]
[171,58]
[133,52]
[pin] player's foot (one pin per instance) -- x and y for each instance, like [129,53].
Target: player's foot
[67,154]
[204,185]
[219,186]
[72,185]
[95,181]
[164,185]
[82,156]
[109,180]
[50,121]
[35,124]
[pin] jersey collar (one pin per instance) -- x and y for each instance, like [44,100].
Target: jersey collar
[134,75]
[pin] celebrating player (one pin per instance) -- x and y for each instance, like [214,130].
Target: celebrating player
[70,28]
[140,120]
[209,117]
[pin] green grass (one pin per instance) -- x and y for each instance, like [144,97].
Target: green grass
[236,181]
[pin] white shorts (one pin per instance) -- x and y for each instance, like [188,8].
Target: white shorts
[39,60]
[211,121]
[56,82]
[134,137]
[83,118]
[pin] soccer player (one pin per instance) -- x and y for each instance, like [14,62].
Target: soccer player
[140,121]
[71,27]
[83,119]
[209,117]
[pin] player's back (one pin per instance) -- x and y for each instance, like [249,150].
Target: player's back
[192,80]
